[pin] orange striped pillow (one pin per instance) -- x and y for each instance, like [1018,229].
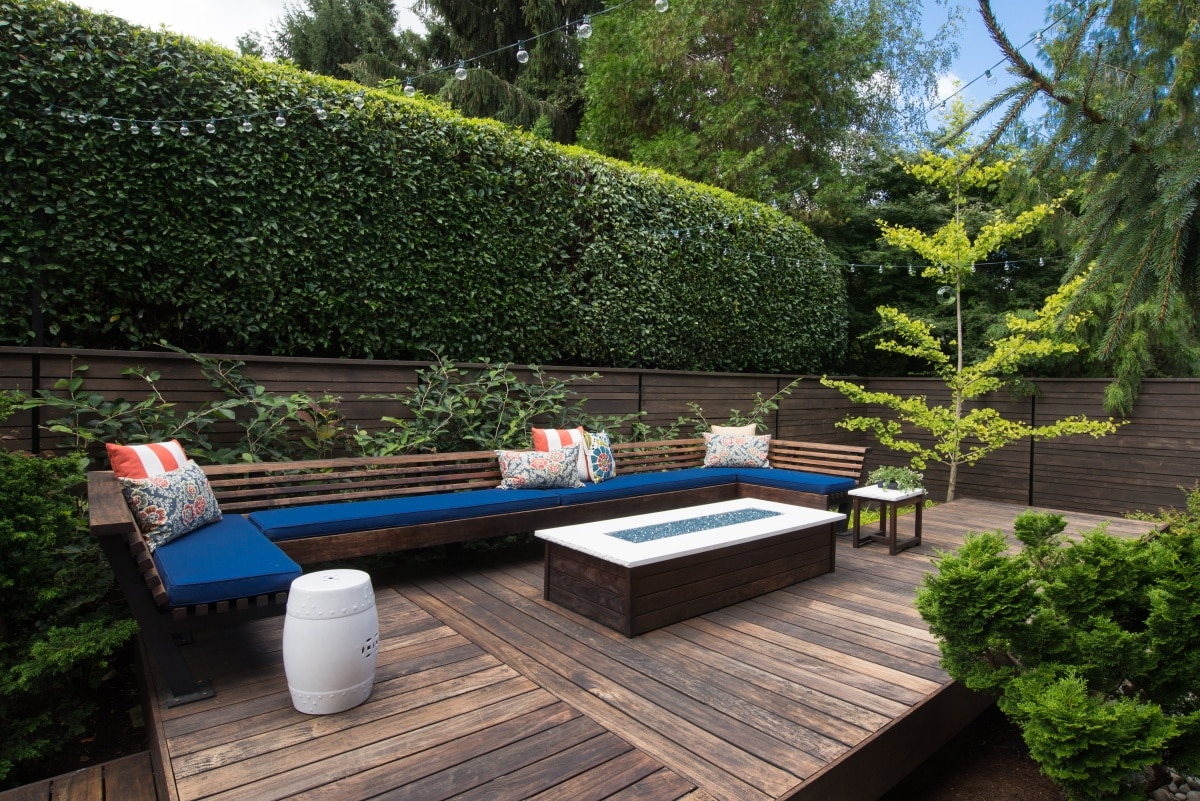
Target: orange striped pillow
[551,439]
[144,461]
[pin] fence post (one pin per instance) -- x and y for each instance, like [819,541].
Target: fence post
[37,326]
[1032,442]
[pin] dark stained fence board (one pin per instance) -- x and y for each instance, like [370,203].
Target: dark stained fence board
[1142,466]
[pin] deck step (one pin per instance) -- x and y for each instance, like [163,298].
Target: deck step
[130,778]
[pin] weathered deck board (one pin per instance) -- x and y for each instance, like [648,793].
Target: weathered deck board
[827,688]
[126,779]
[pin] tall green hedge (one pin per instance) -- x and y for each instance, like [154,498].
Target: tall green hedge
[385,231]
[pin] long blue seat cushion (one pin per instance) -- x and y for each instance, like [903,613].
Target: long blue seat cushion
[224,560]
[630,485]
[818,483]
[342,518]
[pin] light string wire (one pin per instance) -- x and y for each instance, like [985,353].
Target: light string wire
[988,75]
[689,235]
[212,123]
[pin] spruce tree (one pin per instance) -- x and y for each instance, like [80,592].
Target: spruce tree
[542,94]
[1123,90]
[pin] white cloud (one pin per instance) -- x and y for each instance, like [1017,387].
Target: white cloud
[947,85]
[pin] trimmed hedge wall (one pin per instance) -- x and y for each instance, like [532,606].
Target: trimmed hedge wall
[385,231]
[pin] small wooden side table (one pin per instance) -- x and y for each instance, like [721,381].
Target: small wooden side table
[889,501]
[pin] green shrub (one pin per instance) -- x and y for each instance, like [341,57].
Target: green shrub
[379,232]
[1092,646]
[57,631]
[268,426]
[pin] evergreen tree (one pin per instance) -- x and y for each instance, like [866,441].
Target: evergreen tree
[329,36]
[1123,89]
[542,94]
[759,97]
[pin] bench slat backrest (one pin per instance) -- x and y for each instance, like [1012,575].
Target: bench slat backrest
[251,487]
[819,457]
[667,454]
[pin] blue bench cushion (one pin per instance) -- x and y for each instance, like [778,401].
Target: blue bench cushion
[630,485]
[342,518]
[222,561]
[796,480]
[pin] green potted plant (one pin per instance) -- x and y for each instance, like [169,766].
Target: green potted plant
[896,478]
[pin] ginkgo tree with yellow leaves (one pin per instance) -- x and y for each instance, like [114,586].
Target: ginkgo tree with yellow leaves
[957,435]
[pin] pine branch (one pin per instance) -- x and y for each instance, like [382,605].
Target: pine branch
[1021,66]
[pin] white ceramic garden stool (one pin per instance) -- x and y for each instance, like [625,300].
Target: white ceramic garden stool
[330,640]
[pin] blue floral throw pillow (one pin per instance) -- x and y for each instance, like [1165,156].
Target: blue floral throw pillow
[599,456]
[556,469]
[170,505]
[736,450]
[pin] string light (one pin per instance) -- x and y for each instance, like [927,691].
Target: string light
[583,29]
[987,74]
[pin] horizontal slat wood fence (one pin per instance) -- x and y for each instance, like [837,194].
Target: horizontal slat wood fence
[1141,467]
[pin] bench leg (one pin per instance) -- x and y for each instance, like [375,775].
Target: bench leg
[183,685]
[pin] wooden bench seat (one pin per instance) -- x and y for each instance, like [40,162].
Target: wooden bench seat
[247,489]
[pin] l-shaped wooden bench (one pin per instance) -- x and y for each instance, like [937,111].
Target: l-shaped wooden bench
[278,516]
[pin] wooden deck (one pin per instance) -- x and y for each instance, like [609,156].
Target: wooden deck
[829,688]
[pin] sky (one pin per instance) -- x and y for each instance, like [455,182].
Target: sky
[223,21]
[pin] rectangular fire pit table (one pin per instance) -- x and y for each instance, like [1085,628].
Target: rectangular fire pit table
[636,574]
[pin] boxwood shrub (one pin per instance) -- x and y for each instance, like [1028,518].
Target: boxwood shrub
[383,231]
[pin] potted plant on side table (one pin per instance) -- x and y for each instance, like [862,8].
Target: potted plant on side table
[896,478]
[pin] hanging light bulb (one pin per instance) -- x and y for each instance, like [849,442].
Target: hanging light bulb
[945,295]
[116,125]
[247,126]
[461,72]
[155,128]
[1038,38]
[409,89]
[991,79]
[48,110]
[210,127]
[280,120]
[134,128]
[183,129]
[584,29]
[83,118]
[1041,262]
[359,100]
[522,53]
[321,113]
[661,5]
